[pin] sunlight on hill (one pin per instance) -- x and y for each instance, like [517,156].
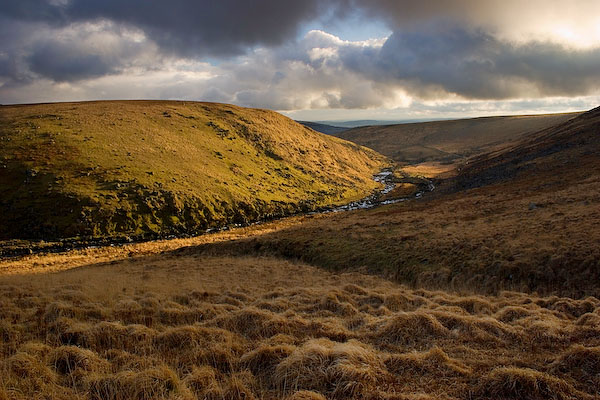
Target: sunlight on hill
[160,168]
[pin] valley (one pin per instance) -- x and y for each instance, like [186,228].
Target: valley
[485,288]
[299,200]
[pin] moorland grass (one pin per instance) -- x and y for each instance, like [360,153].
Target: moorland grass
[188,327]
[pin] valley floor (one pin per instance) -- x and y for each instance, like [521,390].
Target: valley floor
[180,325]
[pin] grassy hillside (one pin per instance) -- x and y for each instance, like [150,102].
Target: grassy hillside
[448,140]
[157,167]
[243,315]
[568,151]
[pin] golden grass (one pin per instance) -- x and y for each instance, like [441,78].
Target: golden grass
[538,233]
[52,262]
[524,384]
[181,326]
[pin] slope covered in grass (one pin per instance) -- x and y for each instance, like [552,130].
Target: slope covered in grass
[448,140]
[157,167]
[569,151]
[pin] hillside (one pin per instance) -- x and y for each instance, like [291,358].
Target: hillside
[157,168]
[453,296]
[560,154]
[448,140]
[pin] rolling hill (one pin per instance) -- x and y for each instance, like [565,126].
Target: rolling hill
[159,167]
[560,155]
[448,140]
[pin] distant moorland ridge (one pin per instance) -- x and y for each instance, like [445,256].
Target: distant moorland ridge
[448,140]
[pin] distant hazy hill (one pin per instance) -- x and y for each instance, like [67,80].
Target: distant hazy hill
[323,128]
[448,140]
[139,167]
[367,122]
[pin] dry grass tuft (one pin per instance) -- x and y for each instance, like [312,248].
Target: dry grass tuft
[202,381]
[524,384]
[155,383]
[403,302]
[336,304]
[582,364]
[263,360]
[411,327]
[340,370]
[306,395]
[240,385]
[190,337]
[193,345]
[27,366]
[255,323]
[476,329]
[68,360]
[512,313]
[435,362]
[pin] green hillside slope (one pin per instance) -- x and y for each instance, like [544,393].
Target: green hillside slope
[157,167]
[449,140]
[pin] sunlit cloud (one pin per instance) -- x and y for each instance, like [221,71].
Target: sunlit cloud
[443,57]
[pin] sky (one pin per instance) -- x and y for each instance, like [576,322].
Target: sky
[309,59]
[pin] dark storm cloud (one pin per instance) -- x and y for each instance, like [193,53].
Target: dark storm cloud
[512,17]
[33,10]
[226,27]
[439,50]
[184,27]
[474,64]
[70,53]
[61,62]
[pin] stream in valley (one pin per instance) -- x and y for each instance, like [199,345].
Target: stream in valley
[386,177]
[390,182]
